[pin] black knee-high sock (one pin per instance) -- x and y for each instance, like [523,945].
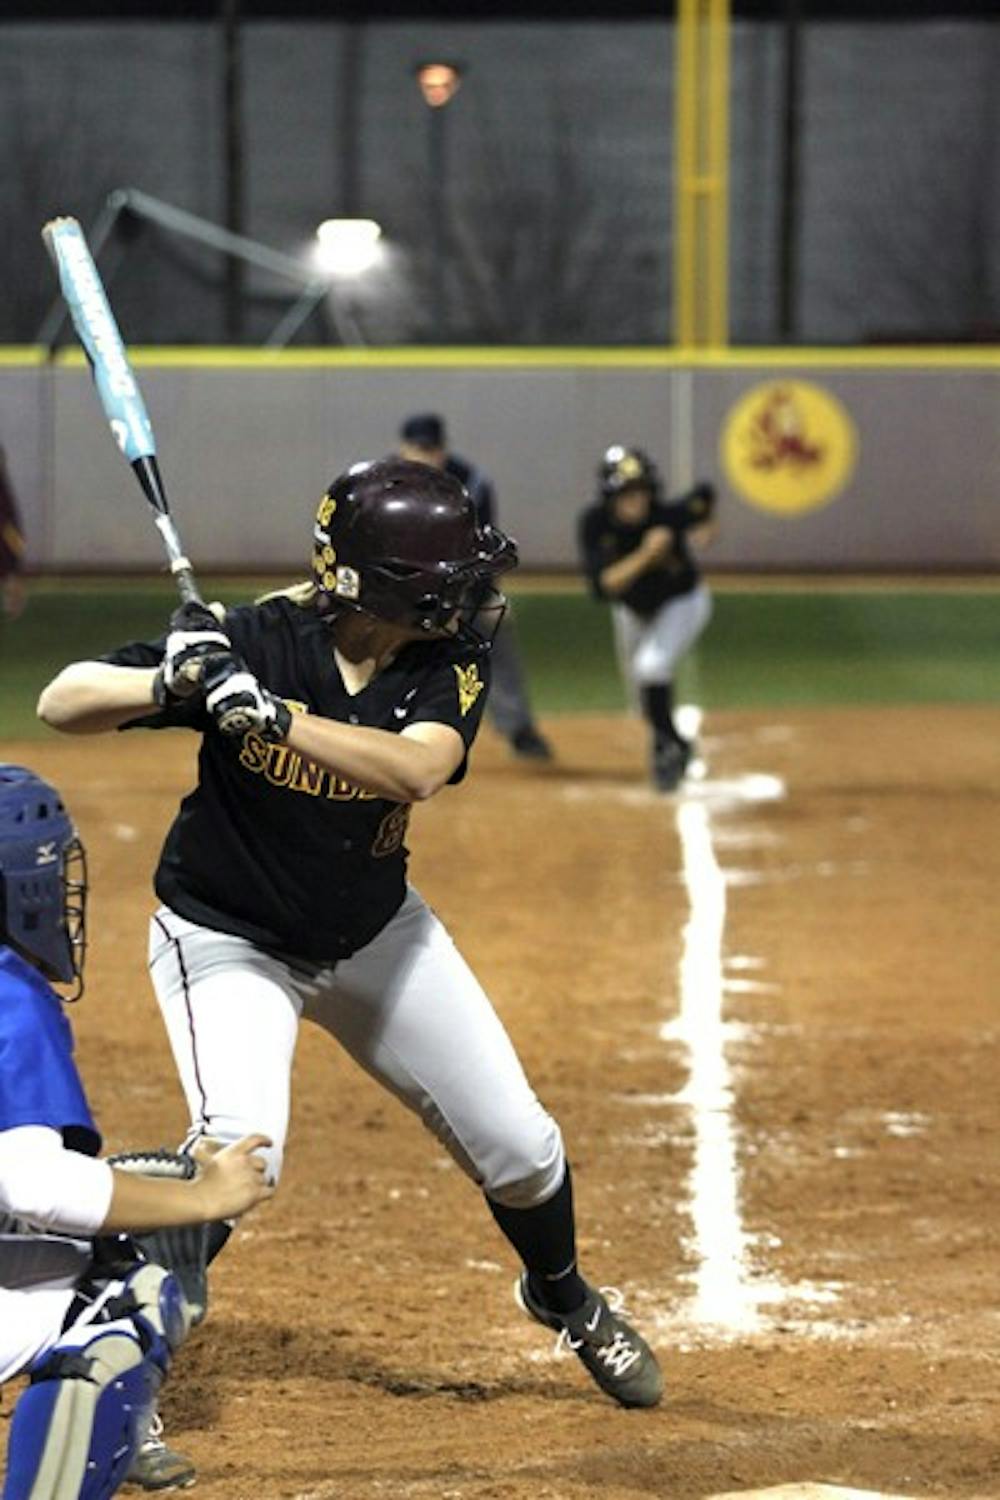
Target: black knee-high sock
[545,1239]
[657,703]
[657,700]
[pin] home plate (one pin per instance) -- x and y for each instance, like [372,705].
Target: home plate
[809,1492]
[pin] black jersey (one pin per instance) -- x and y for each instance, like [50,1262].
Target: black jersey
[604,540]
[271,847]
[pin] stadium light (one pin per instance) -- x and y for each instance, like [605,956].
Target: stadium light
[439,82]
[348,247]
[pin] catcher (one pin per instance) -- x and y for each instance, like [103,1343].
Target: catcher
[84,1313]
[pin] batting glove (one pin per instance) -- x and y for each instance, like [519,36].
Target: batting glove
[238,703]
[195,634]
[701,502]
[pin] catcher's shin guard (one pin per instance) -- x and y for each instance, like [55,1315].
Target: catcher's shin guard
[74,1429]
[152,1299]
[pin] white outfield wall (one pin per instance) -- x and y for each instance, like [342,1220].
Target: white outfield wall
[828,460]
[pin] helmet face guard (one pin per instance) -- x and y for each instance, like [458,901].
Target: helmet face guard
[43,878]
[399,541]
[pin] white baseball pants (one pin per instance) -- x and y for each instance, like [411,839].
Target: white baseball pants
[649,650]
[406,1007]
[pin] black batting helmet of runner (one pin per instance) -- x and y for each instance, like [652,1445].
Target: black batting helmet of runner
[627,469]
[400,541]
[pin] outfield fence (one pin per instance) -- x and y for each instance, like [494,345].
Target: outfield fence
[824,460]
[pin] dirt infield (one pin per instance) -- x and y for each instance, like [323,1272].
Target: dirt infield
[797,1191]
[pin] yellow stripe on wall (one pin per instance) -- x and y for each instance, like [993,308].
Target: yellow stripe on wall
[641,357]
[22,354]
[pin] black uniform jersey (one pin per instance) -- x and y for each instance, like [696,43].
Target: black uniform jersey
[269,846]
[604,540]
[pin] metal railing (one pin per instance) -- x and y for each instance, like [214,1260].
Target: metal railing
[314,288]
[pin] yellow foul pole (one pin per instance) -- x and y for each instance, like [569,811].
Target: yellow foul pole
[701,174]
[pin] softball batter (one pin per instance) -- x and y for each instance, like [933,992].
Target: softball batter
[637,554]
[283,878]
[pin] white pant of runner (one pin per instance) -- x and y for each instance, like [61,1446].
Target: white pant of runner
[406,1007]
[649,650]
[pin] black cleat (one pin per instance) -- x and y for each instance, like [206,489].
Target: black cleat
[528,744]
[618,1359]
[670,762]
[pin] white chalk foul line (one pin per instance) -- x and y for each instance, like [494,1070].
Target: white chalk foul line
[728,1297]
[807,1491]
[723,1296]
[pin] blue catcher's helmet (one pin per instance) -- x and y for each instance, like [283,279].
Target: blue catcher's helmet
[43,877]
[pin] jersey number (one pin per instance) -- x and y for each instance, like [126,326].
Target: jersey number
[391,831]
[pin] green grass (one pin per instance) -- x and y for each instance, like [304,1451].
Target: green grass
[762,649]
[851,647]
[766,649]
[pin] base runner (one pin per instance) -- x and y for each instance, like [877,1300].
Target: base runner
[638,555]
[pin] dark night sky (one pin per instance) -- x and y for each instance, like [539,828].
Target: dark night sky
[472,10]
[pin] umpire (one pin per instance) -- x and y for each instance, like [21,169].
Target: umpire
[423,439]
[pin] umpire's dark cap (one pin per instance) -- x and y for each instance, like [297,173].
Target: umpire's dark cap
[425,430]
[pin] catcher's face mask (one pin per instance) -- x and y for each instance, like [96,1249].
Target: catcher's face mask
[43,878]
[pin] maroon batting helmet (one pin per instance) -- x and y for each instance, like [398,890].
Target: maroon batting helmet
[400,541]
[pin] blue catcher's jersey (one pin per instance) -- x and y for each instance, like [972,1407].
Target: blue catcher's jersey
[39,1083]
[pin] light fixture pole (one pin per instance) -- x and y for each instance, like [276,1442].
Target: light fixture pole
[232,107]
[439,83]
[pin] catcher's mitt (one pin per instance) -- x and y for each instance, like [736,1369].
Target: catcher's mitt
[183,1251]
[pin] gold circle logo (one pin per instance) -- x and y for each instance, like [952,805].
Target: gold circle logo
[788,447]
